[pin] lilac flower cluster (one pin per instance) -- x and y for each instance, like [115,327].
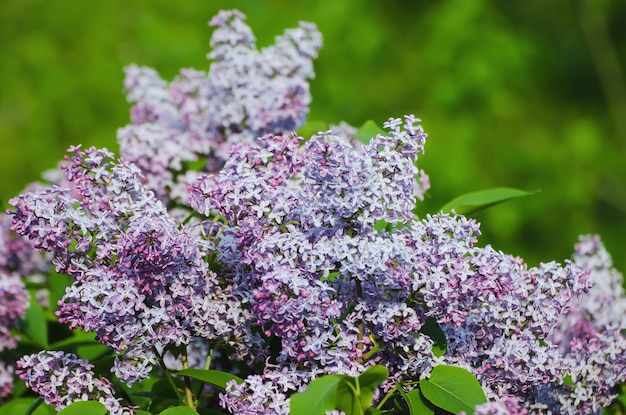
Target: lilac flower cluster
[508,405]
[591,333]
[495,312]
[139,282]
[301,245]
[197,117]
[14,299]
[266,393]
[61,379]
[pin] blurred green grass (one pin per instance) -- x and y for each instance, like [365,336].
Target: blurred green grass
[520,94]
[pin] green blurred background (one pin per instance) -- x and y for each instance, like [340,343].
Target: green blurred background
[527,94]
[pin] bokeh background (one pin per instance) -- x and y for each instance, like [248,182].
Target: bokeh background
[528,94]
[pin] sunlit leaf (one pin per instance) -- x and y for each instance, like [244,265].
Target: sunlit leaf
[85,407]
[213,377]
[35,325]
[179,410]
[367,131]
[30,406]
[473,202]
[311,128]
[454,389]
[417,403]
[320,396]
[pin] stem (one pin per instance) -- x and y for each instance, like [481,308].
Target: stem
[359,294]
[388,396]
[168,375]
[207,365]
[190,398]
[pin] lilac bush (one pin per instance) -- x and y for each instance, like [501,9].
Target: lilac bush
[222,240]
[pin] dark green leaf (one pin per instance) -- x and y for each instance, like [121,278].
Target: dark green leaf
[164,396]
[207,411]
[79,338]
[454,389]
[320,396]
[141,412]
[432,330]
[179,410]
[470,203]
[85,407]
[213,377]
[35,323]
[368,131]
[417,403]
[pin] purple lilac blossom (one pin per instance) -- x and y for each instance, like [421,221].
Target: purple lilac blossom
[507,405]
[496,313]
[139,281]
[301,245]
[6,380]
[266,393]
[200,115]
[591,333]
[14,300]
[61,379]
[306,221]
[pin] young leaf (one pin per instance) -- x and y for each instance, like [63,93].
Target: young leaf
[368,131]
[179,410]
[213,377]
[85,407]
[417,403]
[454,389]
[471,203]
[35,324]
[320,396]
[311,128]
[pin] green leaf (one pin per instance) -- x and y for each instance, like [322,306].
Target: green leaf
[355,395]
[417,403]
[369,381]
[79,338]
[213,377]
[454,389]
[471,203]
[141,412]
[24,405]
[35,325]
[57,285]
[164,396]
[85,407]
[432,330]
[311,128]
[208,411]
[320,396]
[179,410]
[367,131]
